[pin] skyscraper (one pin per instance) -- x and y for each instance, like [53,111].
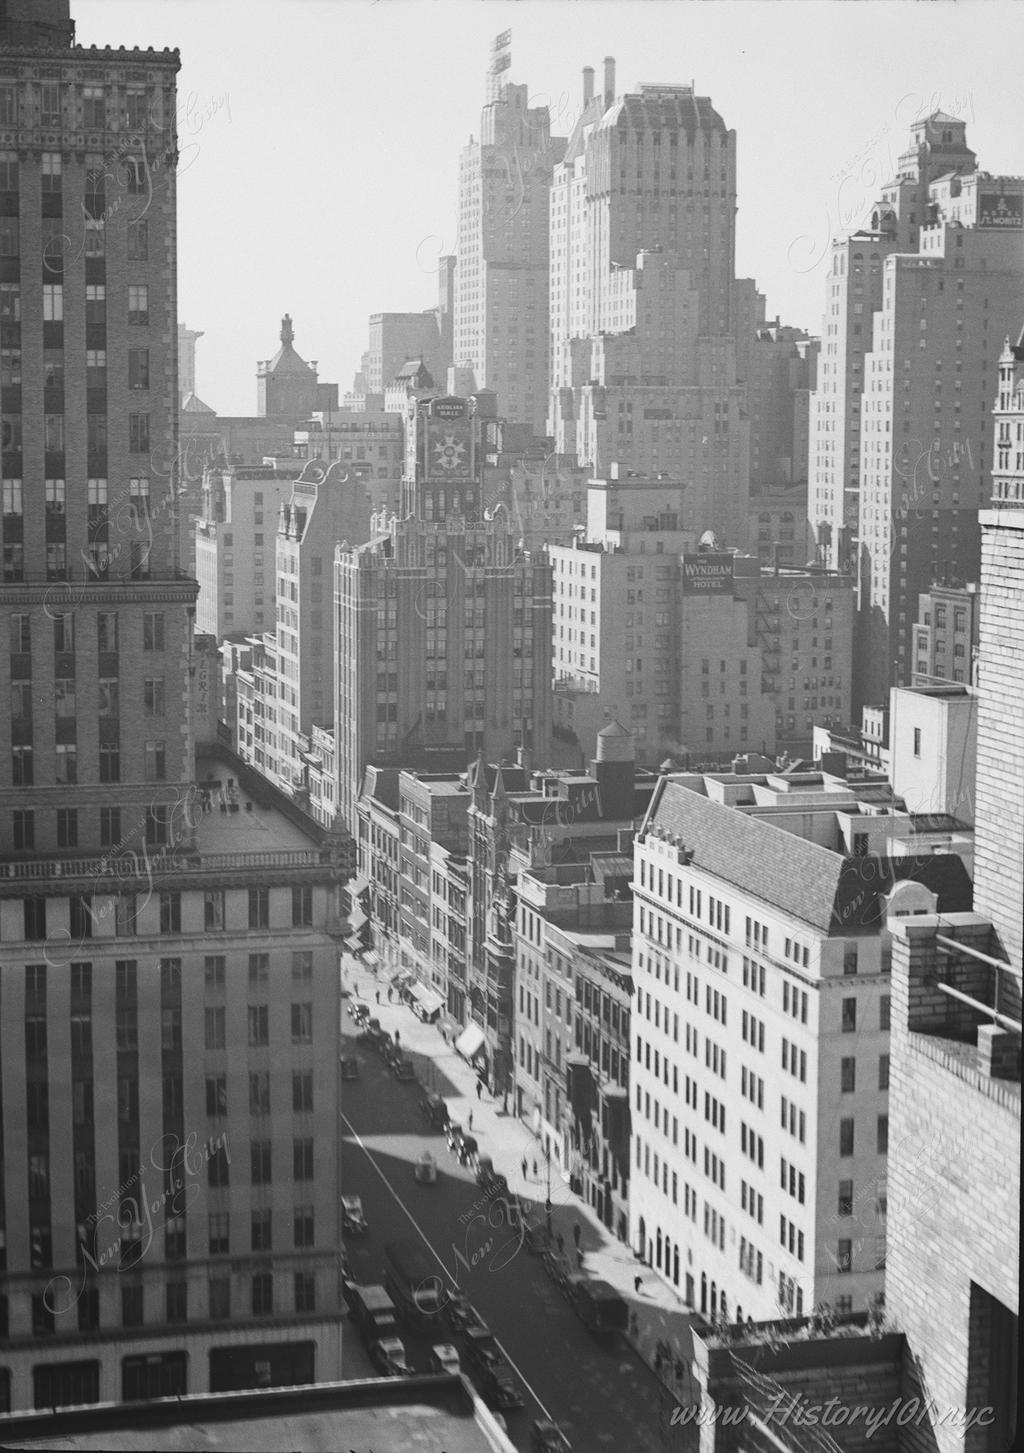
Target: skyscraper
[443,623]
[151,1020]
[501,279]
[642,277]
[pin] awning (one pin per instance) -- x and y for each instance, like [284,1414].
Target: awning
[470,1042]
[371,958]
[430,1003]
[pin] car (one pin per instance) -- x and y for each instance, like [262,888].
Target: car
[353,1222]
[403,1069]
[358,1011]
[349,1067]
[453,1135]
[547,1437]
[390,1051]
[460,1315]
[434,1111]
[371,1036]
[388,1356]
[444,1358]
[468,1149]
[535,1237]
[426,1169]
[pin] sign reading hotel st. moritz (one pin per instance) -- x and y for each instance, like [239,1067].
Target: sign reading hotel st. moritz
[704,573]
[996,209]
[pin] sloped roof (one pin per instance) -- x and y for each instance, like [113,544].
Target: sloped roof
[193,404]
[821,888]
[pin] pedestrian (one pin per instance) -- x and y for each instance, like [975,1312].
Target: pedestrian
[479,1089]
[524,1167]
[357,991]
[398,1037]
[576,1234]
[469,1122]
[535,1170]
[378,996]
[637,1283]
[579,1259]
[391,994]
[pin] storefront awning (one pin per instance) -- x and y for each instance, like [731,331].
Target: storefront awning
[470,1042]
[371,958]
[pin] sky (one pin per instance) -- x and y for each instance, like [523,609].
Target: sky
[319,140]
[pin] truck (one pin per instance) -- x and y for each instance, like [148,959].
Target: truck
[373,1312]
[489,1369]
[412,1278]
[597,1304]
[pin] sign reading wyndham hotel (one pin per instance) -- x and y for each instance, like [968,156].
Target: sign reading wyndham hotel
[707,573]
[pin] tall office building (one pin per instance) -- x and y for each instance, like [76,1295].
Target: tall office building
[937,147]
[501,279]
[168,1089]
[443,623]
[643,363]
[759,1085]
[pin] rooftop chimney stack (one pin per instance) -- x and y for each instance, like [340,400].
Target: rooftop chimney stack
[609,80]
[588,84]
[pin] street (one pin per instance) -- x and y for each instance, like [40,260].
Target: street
[599,1393]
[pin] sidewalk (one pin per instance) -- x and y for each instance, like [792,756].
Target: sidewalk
[659,1320]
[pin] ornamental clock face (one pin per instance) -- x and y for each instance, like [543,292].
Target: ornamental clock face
[448,454]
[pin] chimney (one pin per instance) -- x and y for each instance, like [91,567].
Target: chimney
[588,84]
[609,80]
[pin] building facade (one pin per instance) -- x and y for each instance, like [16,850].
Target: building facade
[235,545]
[501,276]
[443,623]
[759,1076]
[946,635]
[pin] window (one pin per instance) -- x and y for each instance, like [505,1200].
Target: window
[848,1075]
[138,433]
[845,1198]
[110,762]
[156,762]
[259,970]
[53,303]
[883,1071]
[302,1091]
[51,169]
[302,1223]
[131,1306]
[216,1092]
[882,1136]
[883,1011]
[138,241]
[302,1024]
[260,1162]
[917,741]
[94,107]
[67,827]
[21,766]
[215,1023]
[302,966]
[24,830]
[844,1256]
[170,912]
[259,907]
[302,907]
[302,1159]
[846,1136]
[177,1301]
[153,630]
[259,1025]
[213,912]
[849,1016]
[138,304]
[305,1291]
[106,621]
[262,1295]
[217,1168]
[259,1092]
[213,971]
[261,1230]
[138,368]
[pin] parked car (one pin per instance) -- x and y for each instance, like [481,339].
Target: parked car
[434,1111]
[468,1149]
[488,1179]
[460,1315]
[372,1037]
[353,1222]
[402,1068]
[388,1356]
[547,1437]
[453,1135]
[426,1169]
[444,1358]
[358,1011]
[349,1067]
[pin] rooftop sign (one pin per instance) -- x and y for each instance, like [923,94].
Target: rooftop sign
[704,573]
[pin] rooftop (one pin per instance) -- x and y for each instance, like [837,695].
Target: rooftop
[418,1415]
